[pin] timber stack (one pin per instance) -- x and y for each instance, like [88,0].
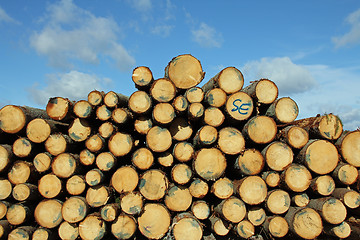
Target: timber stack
[178,161]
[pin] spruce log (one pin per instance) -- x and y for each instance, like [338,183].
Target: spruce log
[86,157]
[249,162]
[95,143]
[50,186]
[5,229]
[245,229]
[153,184]
[38,129]
[319,156]
[222,188]
[94,177]
[181,173]
[296,178]
[158,139]
[42,162]
[76,185]
[68,231]
[103,113]
[230,80]
[215,97]
[6,157]
[5,188]
[330,209]
[180,129]
[213,116]
[83,109]
[180,104]
[142,77]
[98,195]
[165,159]
[205,136]
[178,198]
[42,233]
[79,130]
[25,192]
[121,116]
[154,222]
[256,215]
[264,91]
[95,97]
[21,172]
[186,227]
[113,99]
[296,137]
[132,203]
[277,201]
[65,165]
[231,141]
[163,113]
[120,144]
[300,200]
[23,147]
[239,106]
[260,129]
[304,222]
[107,129]
[341,231]
[21,233]
[92,227]
[110,212]
[277,226]
[209,163]
[142,158]
[198,188]
[124,227]
[350,198]
[125,179]
[59,108]
[232,209]
[105,161]
[183,151]
[185,71]
[140,102]
[14,118]
[74,209]
[194,94]
[195,111]
[219,226]
[323,185]
[200,209]
[252,189]
[283,110]
[278,155]
[272,178]
[163,90]
[58,143]
[18,214]
[348,145]
[4,205]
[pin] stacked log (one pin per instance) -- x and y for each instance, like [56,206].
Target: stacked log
[178,161]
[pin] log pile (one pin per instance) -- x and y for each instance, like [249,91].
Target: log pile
[178,161]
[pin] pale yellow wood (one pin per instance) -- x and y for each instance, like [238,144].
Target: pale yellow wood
[132,203]
[120,144]
[231,141]
[74,209]
[95,97]
[79,130]
[140,102]
[183,151]
[278,155]
[48,213]
[178,199]
[142,76]
[49,186]
[153,184]
[222,188]
[125,179]
[296,178]
[123,227]
[215,97]
[198,188]
[76,185]
[92,227]
[349,147]
[163,90]
[239,106]
[154,222]
[158,139]
[68,231]
[82,109]
[209,163]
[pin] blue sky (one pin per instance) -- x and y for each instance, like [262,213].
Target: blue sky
[310,49]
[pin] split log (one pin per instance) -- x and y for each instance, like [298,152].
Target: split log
[230,80]
[94,177]
[132,203]
[198,188]
[245,229]
[320,156]
[194,94]
[143,124]
[256,215]
[278,155]
[142,77]
[215,97]
[42,162]
[249,162]
[110,212]
[296,178]
[239,106]
[58,143]
[232,209]
[277,201]
[59,108]
[222,188]
[178,198]
[83,109]
[181,173]
[180,129]
[95,97]
[74,209]
[271,178]
[103,113]
[260,129]
[200,209]
[50,186]
[5,188]
[25,192]
[213,116]
[296,137]
[185,71]
[120,144]
[252,189]
[163,113]
[125,179]
[186,227]
[219,226]
[140,102]
[124,227]
[283,110]
[180,104]
[348,145]
[277,226]
[165,159]
[92,227]
[231,141]
[183,151]
[98,195]
[153,184]
[330,209]
[142,158]
[209,163]
[154,222]
[113,99]
[163,90]
[79,130]
[76,185]
[264,91]
[6,157]
[19,213]
[323,185]
[304,222]
[14,118]
[205,136]
[158,139]
[68,231]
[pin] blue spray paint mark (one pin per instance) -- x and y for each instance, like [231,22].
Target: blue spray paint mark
[242,109]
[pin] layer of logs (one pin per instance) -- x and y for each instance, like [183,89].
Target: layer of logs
[178,161]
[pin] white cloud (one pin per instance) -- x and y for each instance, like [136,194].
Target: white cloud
[73,85]
[72,33]
[141,5]
[289,77]
[4,17]
[162,30]
[353,36]
[207,36]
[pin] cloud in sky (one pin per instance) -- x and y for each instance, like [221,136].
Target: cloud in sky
[72,33]
[73,85]
[353,36]
[162,30]
[4,17]
[207,36]
[289,77]
[141,5]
